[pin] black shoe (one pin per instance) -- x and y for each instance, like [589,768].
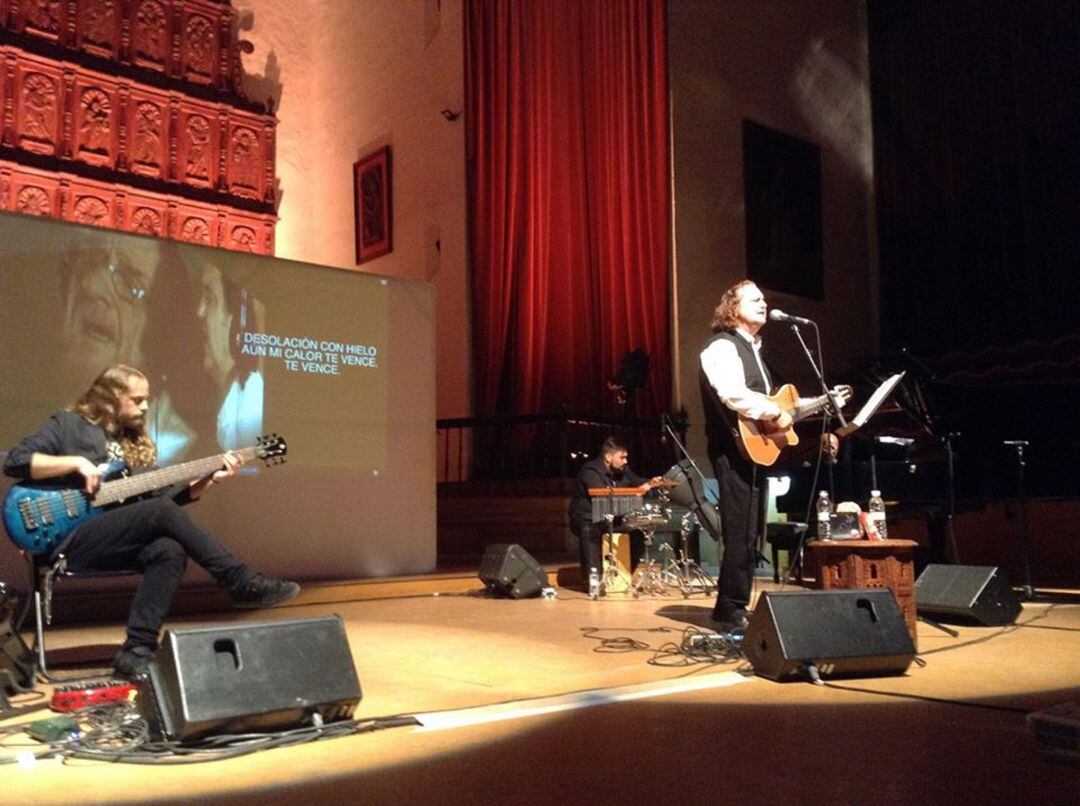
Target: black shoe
[133,661]
[731,619]
[264,591]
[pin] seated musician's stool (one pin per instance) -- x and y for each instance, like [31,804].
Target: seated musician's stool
[43,577]
[785,536]
[839,564]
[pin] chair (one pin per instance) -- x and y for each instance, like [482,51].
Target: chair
[43,578]
[785,536]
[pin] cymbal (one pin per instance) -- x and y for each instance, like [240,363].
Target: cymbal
[665,484]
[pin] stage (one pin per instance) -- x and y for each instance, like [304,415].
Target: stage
[554,701]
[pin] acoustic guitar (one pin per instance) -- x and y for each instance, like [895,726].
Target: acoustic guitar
[761,441]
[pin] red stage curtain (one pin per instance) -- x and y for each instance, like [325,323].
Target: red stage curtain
[569,201]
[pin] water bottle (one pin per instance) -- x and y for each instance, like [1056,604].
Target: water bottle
[594,584]
[824,510]
[876,510]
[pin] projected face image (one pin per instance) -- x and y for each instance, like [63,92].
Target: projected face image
[225,310]
[105,290]
[216,319]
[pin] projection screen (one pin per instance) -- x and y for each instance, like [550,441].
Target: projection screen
[340,364]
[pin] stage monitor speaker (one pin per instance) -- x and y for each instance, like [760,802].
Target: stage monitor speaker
[971,593]
[841,633]
[508,570]
[250,677]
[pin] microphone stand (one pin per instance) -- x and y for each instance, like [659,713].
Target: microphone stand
[832,408]
[691,570]
[665,426]
[1027,590]
[950,467]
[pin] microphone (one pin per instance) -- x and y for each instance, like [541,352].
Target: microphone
[777,315]
[663,429]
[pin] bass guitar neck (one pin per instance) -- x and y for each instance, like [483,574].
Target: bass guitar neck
[38,519]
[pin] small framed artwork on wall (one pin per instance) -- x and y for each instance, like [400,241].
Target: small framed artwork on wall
[371,189]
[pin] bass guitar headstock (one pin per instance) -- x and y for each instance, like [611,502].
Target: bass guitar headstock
[271,449]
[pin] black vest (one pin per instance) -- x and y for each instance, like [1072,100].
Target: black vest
[720,421]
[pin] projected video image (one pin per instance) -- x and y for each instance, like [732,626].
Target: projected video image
[338,364]
[227,315]
[226,342]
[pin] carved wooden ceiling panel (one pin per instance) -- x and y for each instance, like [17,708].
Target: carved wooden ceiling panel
[129,114]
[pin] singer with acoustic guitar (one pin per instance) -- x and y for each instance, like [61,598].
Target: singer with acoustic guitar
[745,428]
[152,535]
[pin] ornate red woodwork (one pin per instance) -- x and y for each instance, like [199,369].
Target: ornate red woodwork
[116,206]
[186,39]
[88,134]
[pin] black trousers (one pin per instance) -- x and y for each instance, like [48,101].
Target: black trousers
[155,537]
[742,519]
[589,553]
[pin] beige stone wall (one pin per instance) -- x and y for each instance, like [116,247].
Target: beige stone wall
[800,68]
[350,76]
[353,75]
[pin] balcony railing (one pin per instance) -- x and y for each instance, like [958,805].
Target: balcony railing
[541,452]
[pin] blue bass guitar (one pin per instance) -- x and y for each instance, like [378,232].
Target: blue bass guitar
[37,519]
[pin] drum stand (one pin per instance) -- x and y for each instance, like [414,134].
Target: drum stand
[648,578]
[609,579]
[683,573]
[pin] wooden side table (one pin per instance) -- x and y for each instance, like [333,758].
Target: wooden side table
[837,564]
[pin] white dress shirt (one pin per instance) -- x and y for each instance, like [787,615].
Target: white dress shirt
[724,369]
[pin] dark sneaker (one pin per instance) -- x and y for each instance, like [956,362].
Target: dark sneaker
[264,591]
[133,661]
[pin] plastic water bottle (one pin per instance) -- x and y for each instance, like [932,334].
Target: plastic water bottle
[824,510]
[876,511]
[594,584]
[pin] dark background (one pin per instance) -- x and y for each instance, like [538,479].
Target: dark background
[976,116]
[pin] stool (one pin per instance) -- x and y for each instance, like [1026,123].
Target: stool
[785,536]
[43,577]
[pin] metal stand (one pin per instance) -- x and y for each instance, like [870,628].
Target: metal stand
[939,626]
[648,578]
[698,504]
[609,571]
[950,467]
[683,572]
[1027,591]
[819,372]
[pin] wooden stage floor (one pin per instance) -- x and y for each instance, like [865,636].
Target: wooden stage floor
[525,704]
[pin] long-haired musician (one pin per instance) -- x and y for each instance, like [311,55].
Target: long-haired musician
[153,535]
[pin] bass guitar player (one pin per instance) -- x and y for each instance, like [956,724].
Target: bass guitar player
[152,535]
